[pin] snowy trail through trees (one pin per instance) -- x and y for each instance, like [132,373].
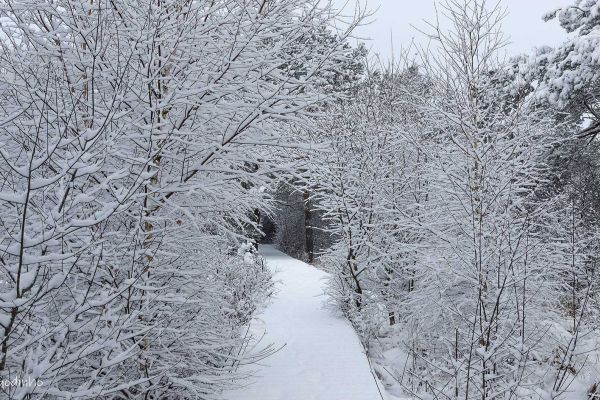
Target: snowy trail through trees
[322,358]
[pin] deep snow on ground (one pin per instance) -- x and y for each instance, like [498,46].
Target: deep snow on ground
[322,358]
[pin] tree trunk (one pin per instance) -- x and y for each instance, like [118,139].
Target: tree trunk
[309,239]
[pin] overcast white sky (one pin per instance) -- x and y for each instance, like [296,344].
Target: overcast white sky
[393,19]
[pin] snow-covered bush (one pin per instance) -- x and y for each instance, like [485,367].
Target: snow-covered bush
[247,281]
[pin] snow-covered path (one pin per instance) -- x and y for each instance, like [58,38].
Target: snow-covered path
[322,358]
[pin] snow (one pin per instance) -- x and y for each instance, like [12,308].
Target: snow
[321,357]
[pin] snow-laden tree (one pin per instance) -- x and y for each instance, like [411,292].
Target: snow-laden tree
[365,183]
[299,225]
[567,76]
[492,270]
[134,138]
